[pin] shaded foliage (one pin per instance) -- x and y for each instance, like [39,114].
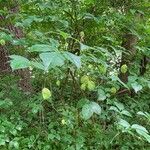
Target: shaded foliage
[89,65]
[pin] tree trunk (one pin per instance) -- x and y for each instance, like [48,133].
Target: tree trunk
[24,74]
[129,43]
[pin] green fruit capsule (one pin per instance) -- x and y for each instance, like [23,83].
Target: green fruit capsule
[2,42]
[84,79]
[102,69]
[90,66]
[91,85]
[113,90]
[83,86]
[63,121]
[124,68]
[58,83]
[46,93]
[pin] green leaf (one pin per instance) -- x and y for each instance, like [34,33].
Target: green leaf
[14,144]
[148,84]
[115,78]
[76,60]
[82,102]
[87,112]
[51,59]
[19,127]
[119,105]
[51,136]
[19,62]
[132,79]
[2,129]
[114,108]
[41,48]
[5,37]
[95,108]
[124,123]
[144,134]
[54,43]
[13,131]
[84,47]
[101,95]
[145,114]
[137,87]
[37,65]
[29,20]
[6,103]
[2,142]
[141,113]
[125,112]
[64,35]
[90,108]
[139,127]
[36,108]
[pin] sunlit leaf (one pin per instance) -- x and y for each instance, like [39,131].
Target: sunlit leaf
[87,112]
[124,123]
[119,105]
[76,60]
[139,127]
[101,95]
[137,87]
[19,62]
[95,108]
[51,59]
[144,134]
[41,48]
[90,108]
